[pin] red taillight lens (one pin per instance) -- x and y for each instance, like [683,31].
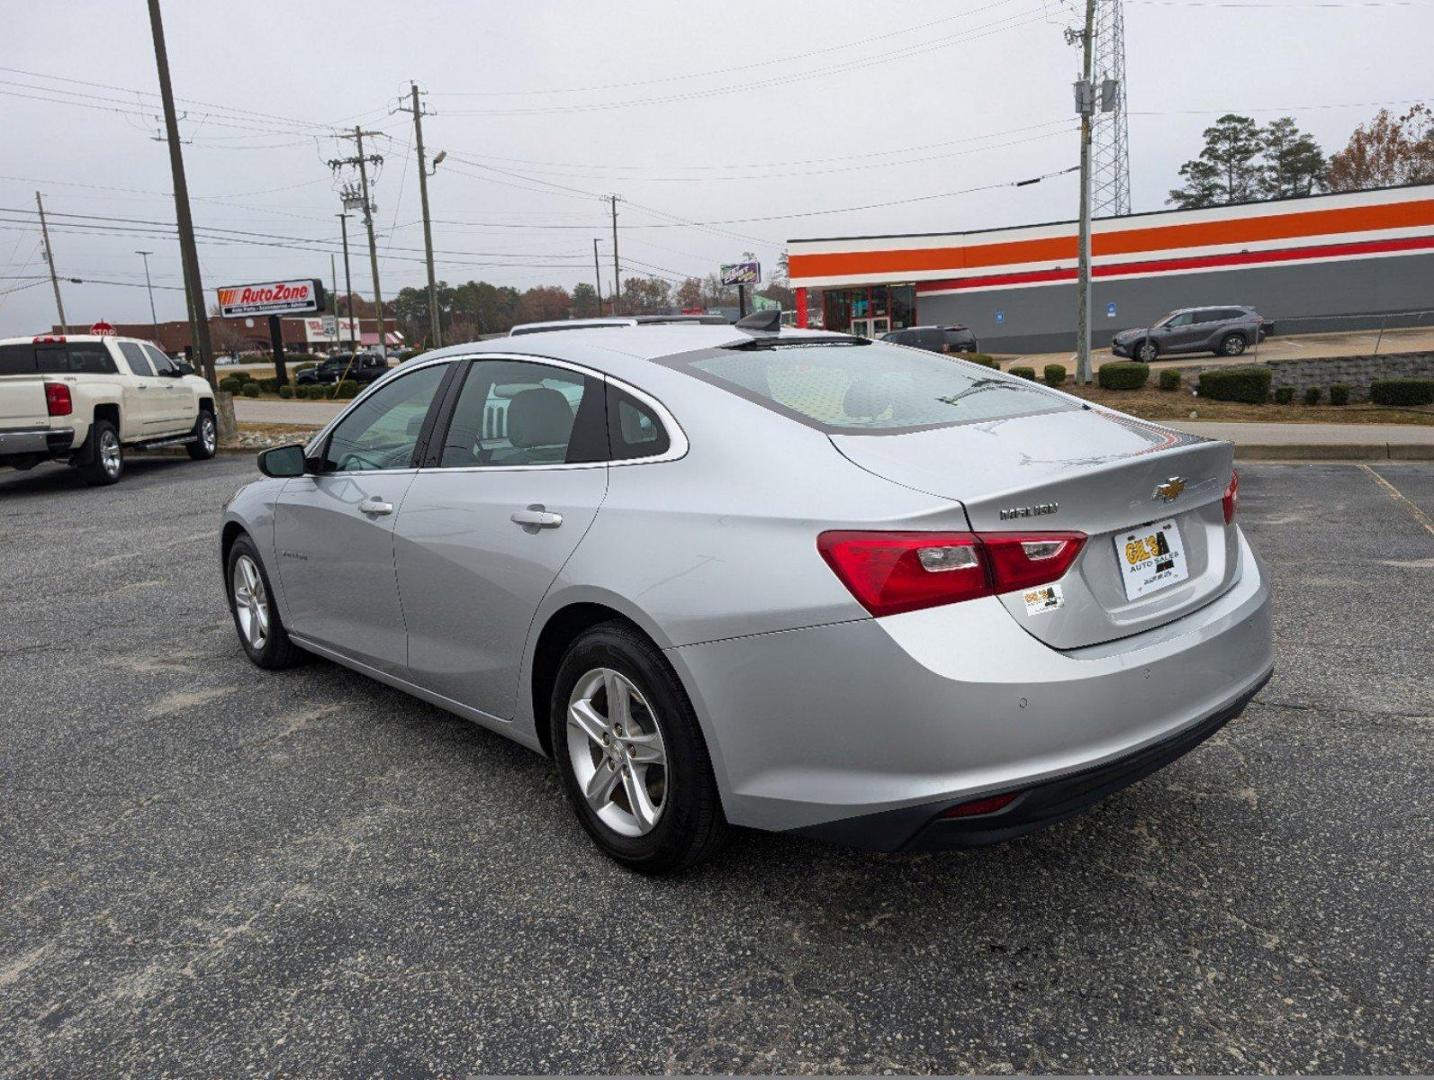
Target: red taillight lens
[1021,560]
[57,399]
[892,572]
[1230,502]
[989,805]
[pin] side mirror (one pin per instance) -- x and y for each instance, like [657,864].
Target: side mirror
[185,367]
[282,461]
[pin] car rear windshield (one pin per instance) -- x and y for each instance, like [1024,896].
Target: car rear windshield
[873,388]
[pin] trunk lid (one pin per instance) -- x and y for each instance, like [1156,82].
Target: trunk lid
[1084,469]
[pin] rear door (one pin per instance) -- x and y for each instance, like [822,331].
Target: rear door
[145,396]
[333,530]
[511,483]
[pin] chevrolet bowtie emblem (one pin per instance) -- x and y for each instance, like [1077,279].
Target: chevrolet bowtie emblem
[1170,490]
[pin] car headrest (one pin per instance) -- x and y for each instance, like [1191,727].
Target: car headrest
[866,398]
[539,416]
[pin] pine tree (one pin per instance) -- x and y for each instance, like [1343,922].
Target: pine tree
[1228,168]
[1294,163]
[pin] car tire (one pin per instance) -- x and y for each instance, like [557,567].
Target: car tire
[105,463]
[664,759]
[256,616]
[1232,344]
[206,433]
[1147,352]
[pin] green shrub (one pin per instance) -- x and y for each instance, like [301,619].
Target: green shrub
[251,389]
[1169,379]
[1024,373]
[348,388]
[269,386]
[292,358]
[408,354]
[286,391]
[240,376]
[1285,394]
[984,359]
[1123,375]
[1055,374]
[230,385]
[1248,384]
[1312,395]
[1339,394]
[1402,391]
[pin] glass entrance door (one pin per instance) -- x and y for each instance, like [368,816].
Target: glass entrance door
[871,328]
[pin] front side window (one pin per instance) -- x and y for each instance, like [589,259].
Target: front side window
[381,432]
[134,357]
[162,362]
[514,412]
[874,388]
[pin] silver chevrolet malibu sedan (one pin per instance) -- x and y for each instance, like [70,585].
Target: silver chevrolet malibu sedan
[788,580]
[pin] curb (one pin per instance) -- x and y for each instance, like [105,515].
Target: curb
[1335,452]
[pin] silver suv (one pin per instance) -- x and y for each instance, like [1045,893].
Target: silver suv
[1226,331]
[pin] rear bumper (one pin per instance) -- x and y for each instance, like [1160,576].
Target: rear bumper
[25,442]
[923,828]
[864,731]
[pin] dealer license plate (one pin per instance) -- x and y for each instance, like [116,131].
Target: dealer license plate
[1151,558]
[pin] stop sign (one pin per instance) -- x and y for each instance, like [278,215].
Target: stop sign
[102,327]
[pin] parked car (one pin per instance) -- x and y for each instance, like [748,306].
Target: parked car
[954,338]
[1226,331]
[86,399]
[363,368]
[789,580]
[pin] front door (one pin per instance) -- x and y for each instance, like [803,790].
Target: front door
[333,530]
[505,495]
[177,401]
[145,395]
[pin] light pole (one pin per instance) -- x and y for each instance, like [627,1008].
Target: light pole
[153,318]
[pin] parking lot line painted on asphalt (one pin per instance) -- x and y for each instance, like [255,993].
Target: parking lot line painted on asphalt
[1398,496]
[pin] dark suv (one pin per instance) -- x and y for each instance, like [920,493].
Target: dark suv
[943,339]
[1226,331]
[362,369]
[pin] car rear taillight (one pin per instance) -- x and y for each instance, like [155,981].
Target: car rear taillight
[1230,501]
[57,399]
[892,572]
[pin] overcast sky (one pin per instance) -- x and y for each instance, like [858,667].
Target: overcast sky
[701,112]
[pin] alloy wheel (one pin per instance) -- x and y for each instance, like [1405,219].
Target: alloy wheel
[617,753]
[110,453]
[251,602]
[207,434]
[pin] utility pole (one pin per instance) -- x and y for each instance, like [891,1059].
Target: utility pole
[597,277]
[50,258]
[1085,105]
[348,285]
[616,272]
[334,287]
[193,283]
[363,201]
[434,332]
[153,318]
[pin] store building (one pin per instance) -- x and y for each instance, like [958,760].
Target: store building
[1323,262]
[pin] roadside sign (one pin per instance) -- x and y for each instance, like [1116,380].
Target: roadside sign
[271,298]
[742,273]
[1000,316]
[1110,310]
[104,328]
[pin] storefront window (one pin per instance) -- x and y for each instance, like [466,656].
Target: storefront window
[870,311]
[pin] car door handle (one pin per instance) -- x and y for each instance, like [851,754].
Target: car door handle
[374,505]
[536,517]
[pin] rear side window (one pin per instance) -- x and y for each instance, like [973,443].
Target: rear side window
[134,357]
[633,429]
[932,340]
[85,357]
[876,388]
[17,359]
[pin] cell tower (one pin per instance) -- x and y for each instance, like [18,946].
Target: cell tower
[1110,149]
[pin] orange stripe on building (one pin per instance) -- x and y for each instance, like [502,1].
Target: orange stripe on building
[1155,238]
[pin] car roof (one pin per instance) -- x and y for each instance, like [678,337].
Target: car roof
[56,339]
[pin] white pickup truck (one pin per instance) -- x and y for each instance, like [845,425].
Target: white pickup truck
[85,399]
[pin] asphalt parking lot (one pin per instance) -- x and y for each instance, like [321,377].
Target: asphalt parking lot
[208,869]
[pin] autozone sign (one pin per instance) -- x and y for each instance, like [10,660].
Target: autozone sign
[271,298]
